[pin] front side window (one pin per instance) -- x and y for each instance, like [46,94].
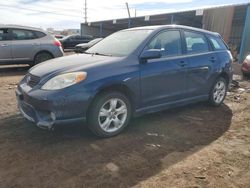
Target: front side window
[169,42]
[195,42]
[4,34]
[20,34]
[121,43]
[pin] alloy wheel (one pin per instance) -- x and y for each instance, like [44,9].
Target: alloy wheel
[112,115]
[219,92]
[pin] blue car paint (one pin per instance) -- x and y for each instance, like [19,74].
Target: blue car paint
[158,84]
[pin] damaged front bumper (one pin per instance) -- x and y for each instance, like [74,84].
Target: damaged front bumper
[48,109]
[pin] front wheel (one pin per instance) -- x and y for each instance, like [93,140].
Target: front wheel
[218,92]
[109,114]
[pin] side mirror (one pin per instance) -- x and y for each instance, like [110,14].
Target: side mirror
[150,54]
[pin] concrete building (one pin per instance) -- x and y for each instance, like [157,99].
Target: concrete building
[231,21]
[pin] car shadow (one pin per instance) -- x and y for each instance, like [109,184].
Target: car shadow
[13,70]
[72,155]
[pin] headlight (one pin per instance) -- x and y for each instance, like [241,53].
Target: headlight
[64,80]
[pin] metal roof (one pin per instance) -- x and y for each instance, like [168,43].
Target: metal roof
[187,17]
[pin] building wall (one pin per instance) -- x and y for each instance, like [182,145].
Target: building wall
[219,20]
[237,30]
[245,43]
[94,31]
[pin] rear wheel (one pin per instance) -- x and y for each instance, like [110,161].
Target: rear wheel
[41,57]
[245,75]
[218,92]
[109,114]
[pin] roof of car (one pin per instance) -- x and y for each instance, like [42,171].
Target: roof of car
[21,27]
[159,27]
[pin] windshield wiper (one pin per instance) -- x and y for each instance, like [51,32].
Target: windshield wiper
[96,53]
[87,52]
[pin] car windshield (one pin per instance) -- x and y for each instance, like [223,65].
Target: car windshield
[94,41]
[120,44]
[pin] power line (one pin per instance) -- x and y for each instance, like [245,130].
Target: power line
[39,11]
[45,6]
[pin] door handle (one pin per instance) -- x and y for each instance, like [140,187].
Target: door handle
[35,44]
[182,63]
[4,45]
[212,59]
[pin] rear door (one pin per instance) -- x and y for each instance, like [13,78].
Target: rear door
[5,45]
[25,44]
[201,60]
[163,80]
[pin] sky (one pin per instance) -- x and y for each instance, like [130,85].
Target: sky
[65,14]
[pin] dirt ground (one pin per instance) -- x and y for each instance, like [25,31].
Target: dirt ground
[192,146]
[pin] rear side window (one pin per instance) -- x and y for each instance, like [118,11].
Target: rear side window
[195,42]
[21,34]
[4,34]
[169,42]
[217,43]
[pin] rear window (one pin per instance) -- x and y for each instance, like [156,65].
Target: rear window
[217,43]
[21,34]
[195,42]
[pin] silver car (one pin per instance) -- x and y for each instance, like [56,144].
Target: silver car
[27,45]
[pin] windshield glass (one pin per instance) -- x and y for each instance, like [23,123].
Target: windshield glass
[94,41]
[121,43]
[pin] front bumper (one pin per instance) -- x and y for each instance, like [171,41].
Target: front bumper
[47,108]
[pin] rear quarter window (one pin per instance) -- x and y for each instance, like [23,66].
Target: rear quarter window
[39,34]
[217,43]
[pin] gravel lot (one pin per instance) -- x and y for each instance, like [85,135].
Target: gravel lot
[193,146]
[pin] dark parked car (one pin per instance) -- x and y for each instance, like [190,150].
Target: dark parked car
[69,42]
[27,45]
[130,73]
[245,68]
[80,48]
[59,36]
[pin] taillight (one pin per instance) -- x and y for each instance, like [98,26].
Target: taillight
[57,43]
[246,64]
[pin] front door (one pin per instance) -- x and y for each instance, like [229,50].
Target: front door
[163,80]
[5,46]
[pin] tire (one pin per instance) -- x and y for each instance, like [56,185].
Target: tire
[245,75]
[41,57]
[218,92]
[104,117]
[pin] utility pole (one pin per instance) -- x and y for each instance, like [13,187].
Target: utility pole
[85,12]
[129,17]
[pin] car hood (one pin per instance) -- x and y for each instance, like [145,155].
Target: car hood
[70,63]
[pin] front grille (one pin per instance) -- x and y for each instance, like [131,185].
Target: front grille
[32,80]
